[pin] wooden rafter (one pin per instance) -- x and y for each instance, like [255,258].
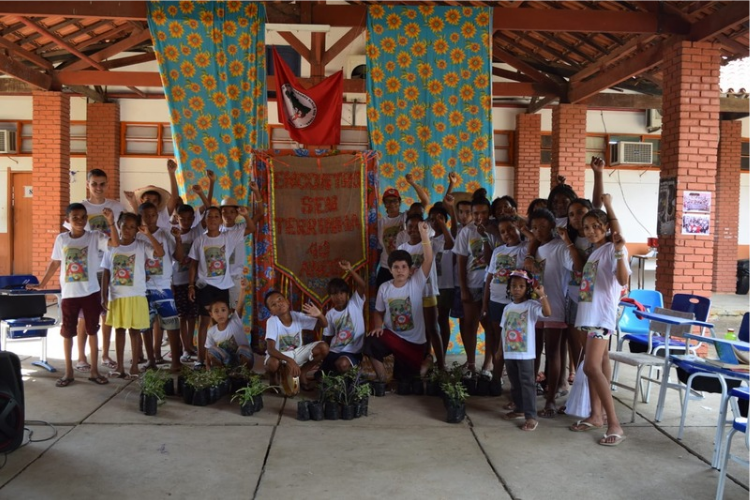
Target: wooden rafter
[111,10]
[296,44]
[24,73]
[510,75]
[631,46]
[524,68]
[342,43]
[726,17]
[129,61]
[112,50]
[25,54]
[107,35]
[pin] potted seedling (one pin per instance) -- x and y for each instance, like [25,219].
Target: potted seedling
[378,388]
[303,410]
[455,401]
[152,390]
[239,377]
[200,381]
[327,393]
[435,378]
[181,378]
[250,397]
[362,399]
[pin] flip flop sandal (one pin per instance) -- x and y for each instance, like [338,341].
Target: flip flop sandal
[529,427]
[160,361]
[548,413]
[64,382]
[99,380]
[582,426]
[619,438]
[109,364]
[82,367]
[513,416]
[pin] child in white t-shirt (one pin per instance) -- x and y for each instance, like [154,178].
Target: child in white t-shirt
[345,332]
[124,289]
[226,342]
[398,328]
[80,291]
[442,245]
[605,273]
[285,352]
[518,344]
[505,259]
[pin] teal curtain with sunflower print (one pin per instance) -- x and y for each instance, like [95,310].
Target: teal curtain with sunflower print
[430,96]
[212,62]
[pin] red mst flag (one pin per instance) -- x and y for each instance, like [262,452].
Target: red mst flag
[312,116]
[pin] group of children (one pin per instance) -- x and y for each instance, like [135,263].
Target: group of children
[551,278]
[142,274]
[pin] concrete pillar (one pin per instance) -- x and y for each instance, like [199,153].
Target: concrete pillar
[103,143]
[690,135]
[727,201]
[569,145]
[51,174]
[528,145]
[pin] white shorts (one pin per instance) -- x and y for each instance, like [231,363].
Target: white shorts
[300,355]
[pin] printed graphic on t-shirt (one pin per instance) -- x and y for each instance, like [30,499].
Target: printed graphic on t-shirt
[588,281]
[229,345]
[389,237]
[401,314]
[504,264]
[216,261]
[185,264]
[123,269]
[99,223]
[538,275]
[575,278]
[76,264]
[344,328]
[154,267]
[516,336]
[416,260]
[476,247]
[289,342]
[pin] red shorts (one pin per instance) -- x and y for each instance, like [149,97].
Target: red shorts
[409,354]
[90,306]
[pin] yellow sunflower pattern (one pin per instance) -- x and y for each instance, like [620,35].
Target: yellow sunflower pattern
[212,62]
[430,96]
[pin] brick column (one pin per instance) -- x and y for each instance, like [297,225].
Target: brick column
[569,145]
[689,140]
[103,143]
[51,174]
[727,199]
[528,147]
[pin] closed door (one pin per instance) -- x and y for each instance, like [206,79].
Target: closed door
[21,198]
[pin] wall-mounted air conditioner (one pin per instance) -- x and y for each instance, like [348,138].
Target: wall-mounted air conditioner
[653,120]
[7,141]
[631,153]
[356,67]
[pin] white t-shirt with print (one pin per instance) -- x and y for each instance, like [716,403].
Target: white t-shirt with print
[96,220]
[556,264]
[347,327]
[238,258]
[213,254]
[388,229]
[469,243]
[181,270]
[127,269]
[230,338]
[417,257]
[518,336]
[504,260]
[403,308]
[443,263]
[574,284]
[79,262]
[599,294]
[288,338]
[159,269]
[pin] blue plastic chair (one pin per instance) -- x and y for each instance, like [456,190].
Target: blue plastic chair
[683,302]
[738,425]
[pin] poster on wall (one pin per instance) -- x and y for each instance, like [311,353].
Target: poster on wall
[696,212]
[665,223]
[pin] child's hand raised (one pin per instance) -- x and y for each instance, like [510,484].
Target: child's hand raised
[597,164]
[197,189]
[171,166]
[243,211]
[129,195]
[345,265]
[176,232]
[254,187]
[606,199]
[109,215]
[211,175]
[409,178]
[311,310]
[563,234]
[453,178]
[618,240]
[143,229]
[539,289]
[424,230]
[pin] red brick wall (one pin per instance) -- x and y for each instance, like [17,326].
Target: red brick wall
[569,145]
[51,174]
[727,201]
[527,162]
[103,143]
[689,140]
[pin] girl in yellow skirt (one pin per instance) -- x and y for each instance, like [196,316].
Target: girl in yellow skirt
[124,287]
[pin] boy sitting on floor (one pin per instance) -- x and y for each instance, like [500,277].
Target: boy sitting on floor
[284,338]
[398,319]
[346,323]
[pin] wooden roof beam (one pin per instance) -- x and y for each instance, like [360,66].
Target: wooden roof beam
[510,75]
[647,59]
[722,19]
[114,49]
[524,68]
[24,73]
[129,61]
[25,54]
[601,63]
[109,10]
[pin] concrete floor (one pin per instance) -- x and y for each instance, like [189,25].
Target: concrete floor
[103,447]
